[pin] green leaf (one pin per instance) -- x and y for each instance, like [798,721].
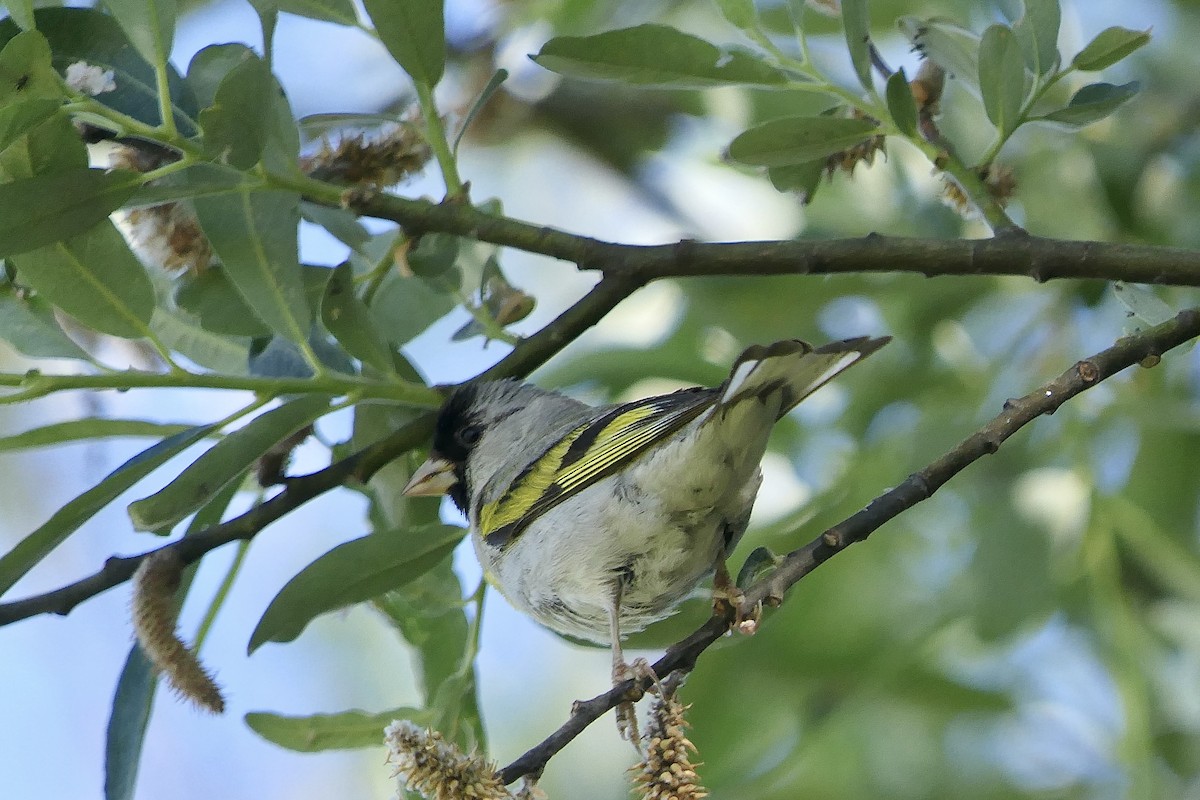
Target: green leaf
[351,573]
[127,723]
[254,233]
[235,129]
[804,179]
[180,333]
[317,732]
[34,547]
[1143,304]
[413,31]
[89,428]
[901,104]
[1002,77]
[952,47]
[51,147]
[1037,32]
[209,67]
[222,463]
[1110,46]
[656,55]
[350,322]
[856,21]
[337,11]
[22,12]
[740,13]
[85,34]
[796,140]
[405,305]
[26,72]
[95,278]
[19,118]
[28,324]
[149,24]
[1092,103]
[42,209]
[218,305]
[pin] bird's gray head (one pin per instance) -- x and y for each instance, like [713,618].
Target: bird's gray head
[480,431]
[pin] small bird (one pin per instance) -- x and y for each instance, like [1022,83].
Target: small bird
[597,521]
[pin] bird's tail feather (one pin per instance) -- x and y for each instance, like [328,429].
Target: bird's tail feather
[793,368]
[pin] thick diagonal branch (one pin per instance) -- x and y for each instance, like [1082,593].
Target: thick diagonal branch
[1083,375]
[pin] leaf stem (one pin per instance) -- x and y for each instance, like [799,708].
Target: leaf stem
[436,136]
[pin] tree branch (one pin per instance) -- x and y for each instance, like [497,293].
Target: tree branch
[1009,253]
[1046,399]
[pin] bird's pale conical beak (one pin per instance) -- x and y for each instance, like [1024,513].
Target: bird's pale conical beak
[432,478]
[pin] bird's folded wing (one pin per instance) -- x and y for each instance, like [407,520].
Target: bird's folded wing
[587,454]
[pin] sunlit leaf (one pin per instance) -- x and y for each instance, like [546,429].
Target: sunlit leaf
[1110,46]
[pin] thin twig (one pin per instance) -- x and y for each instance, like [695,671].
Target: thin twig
[919,486]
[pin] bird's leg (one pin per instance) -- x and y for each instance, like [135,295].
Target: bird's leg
[626,714]
[728,599]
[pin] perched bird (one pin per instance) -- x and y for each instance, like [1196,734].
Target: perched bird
[597,521]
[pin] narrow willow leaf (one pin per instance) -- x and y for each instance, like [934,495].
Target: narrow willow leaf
[901,104]
[41,209]
[254,233]
[485,94]
[350,322]
[222,463]
[149,24]
[414,33]
[90,429]
[656,55]
[317,732]
[95,278]
[132,703]
[1037,31]
[952,47]
[28,324]
[183,335]
[796,140]
[1110,46]
[1002,77]
[25,70]
[235,129]
[85,34]
[134,697]
[34,547]
[856,22]
[1092,103]
[804,178]
[351,573]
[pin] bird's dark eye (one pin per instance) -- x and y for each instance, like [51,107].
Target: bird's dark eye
[469,435]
